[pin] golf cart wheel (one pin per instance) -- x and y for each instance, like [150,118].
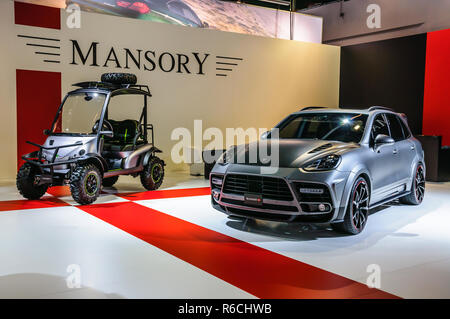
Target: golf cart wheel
[27,183]
[357,211]
[119,78]
[418,188]
[85,183]
[153,174]
[110,181]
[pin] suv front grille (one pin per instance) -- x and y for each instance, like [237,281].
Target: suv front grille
[269,187]
[263,206]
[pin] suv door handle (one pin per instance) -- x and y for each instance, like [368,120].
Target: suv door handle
[413,148]
[395,152]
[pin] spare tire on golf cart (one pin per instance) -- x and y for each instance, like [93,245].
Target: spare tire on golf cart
[119,78]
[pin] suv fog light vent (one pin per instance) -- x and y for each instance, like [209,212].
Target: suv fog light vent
[318,191]
[316,207]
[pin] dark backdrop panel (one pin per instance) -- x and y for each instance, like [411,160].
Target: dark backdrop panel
[388,73]
[436,109]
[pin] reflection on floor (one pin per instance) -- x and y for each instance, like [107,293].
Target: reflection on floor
[172,244]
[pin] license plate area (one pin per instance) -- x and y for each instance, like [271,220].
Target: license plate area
[253,199]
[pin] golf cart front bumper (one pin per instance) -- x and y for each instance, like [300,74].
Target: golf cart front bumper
[51,171]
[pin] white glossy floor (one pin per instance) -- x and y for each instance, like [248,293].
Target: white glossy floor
[411,245]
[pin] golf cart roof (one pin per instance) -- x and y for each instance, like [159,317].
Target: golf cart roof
[114,89]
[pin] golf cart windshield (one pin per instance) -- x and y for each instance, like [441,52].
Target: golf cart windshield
[343,127]
[80,112]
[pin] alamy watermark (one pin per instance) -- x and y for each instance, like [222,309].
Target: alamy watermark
[74,18]
[73,280]
[374,19]
[243,146]
[374,279]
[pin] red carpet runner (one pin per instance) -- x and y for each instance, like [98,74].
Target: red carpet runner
[258,271]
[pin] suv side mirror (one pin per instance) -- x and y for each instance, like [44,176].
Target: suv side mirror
[265,135]
[107,133]
[383,139]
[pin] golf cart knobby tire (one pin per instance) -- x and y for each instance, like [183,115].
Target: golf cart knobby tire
[78,179]
[119,78]
[147,179]
[25,182]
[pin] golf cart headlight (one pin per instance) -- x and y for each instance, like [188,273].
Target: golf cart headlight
[326,163]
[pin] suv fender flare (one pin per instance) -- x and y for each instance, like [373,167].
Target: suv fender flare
[354,174]
[417,161]
[94,159]
[151,152]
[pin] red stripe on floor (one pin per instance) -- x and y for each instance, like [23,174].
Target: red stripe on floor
[31,204]
[59,191]
[258,271]
[170,193]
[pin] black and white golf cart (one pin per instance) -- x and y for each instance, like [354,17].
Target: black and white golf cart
[99,132]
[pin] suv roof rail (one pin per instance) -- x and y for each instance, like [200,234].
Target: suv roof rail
[374,108]
[313,108]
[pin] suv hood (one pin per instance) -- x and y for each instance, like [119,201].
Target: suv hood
[292,152]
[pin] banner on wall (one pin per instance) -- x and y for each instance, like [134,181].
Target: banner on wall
[212,14]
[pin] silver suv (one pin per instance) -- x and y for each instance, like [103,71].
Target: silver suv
[334,166]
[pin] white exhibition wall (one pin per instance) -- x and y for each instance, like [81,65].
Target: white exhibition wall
[274,78]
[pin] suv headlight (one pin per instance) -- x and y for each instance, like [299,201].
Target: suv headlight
[324,164]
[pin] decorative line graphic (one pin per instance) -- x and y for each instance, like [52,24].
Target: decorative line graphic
[48,44]
[224,64]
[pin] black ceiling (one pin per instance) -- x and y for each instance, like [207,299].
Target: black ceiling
[299,4]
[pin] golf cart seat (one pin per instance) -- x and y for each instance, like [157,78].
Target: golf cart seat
[126,133]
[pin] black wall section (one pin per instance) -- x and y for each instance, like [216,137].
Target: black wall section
[389,73]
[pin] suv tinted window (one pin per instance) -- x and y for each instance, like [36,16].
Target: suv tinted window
[395,126]
[333,126]
[379,127]
[405,129]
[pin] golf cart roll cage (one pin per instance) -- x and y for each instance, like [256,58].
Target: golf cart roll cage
[110,90]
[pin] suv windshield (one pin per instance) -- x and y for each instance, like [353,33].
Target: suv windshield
[80,112]
[343,127]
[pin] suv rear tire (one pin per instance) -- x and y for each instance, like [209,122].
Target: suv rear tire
[25,182]
[153,174]
[417,189]
[85,183]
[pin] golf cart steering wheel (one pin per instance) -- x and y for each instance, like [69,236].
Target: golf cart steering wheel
[106,125]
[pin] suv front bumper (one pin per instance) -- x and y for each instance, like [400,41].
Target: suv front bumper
[317,197]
